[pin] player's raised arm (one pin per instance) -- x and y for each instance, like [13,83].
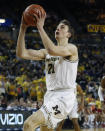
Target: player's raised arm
[62,34]
[21,50]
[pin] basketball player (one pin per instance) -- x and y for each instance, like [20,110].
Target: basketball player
[101,93]
[61,71]
[74,113]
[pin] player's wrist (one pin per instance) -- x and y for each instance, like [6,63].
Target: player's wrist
[40,28]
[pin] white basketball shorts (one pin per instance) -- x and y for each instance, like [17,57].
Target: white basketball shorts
[57,105]
[74,112]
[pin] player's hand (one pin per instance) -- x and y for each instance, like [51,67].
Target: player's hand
[40,19]
[23,24]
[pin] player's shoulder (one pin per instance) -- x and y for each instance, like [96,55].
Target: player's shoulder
[72,45]
[73,48]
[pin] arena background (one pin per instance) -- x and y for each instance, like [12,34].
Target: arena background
[22,82]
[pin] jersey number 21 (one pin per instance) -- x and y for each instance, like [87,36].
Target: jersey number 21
[51,68]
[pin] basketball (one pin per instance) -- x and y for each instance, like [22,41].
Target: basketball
[28,17]
[103,82]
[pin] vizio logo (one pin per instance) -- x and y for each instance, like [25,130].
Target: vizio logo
[11,119]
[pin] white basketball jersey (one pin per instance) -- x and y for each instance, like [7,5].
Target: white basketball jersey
[60,73]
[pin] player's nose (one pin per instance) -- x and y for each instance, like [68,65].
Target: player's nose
[57,29]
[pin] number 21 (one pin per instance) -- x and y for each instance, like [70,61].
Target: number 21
[51,68]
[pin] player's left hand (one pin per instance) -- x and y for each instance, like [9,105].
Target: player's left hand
[23,24]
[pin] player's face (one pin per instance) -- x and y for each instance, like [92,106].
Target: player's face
[62,32]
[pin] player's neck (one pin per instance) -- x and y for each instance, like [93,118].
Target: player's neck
[62,42]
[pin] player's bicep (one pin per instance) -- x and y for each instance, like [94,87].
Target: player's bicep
[63,51]
[59,51]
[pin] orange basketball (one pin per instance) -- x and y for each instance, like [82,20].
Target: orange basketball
[28,14]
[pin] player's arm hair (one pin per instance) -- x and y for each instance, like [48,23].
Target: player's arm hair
[24,53]
[54,50]
[79,89]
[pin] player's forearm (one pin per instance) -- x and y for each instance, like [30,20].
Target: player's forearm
[21,42]
[48,44]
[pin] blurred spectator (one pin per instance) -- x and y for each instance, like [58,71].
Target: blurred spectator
[3,101]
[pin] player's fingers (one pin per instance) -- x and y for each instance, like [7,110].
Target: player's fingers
[23,21]
[35,16]
[42,13]
[39,14]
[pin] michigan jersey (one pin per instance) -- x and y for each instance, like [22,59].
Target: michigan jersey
[60,72]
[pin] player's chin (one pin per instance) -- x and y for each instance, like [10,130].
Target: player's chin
[56,37]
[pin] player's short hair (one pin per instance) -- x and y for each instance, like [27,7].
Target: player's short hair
[71,30]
